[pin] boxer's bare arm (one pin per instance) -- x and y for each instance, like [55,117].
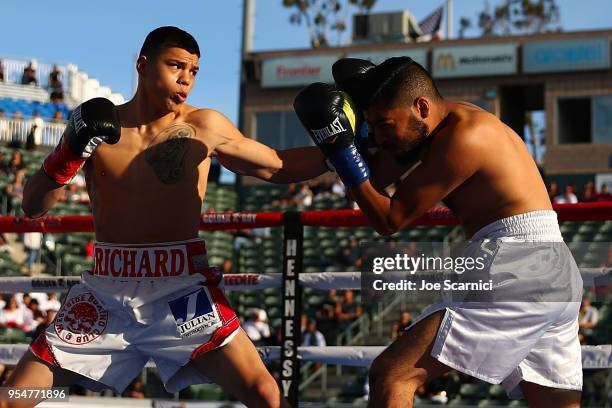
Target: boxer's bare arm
[249,157]
[39,194]
[454,159]
[385,169]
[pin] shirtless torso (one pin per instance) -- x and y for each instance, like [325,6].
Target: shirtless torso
[474,163]
[146,186]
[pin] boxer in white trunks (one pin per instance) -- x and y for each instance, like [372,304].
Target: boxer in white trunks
[151,293]
[438,150]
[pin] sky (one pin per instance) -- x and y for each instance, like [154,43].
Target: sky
[102,37]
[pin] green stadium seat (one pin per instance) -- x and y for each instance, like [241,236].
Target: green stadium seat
[517,404]
[14,336]
[497,392]
[206,392]
[472,391]
[487,403]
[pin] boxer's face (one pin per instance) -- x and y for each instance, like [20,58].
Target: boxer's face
[169,77]
[397,129]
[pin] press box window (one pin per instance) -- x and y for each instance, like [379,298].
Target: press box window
[574,120]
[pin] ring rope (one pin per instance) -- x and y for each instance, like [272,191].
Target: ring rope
[251,281]
[599,211]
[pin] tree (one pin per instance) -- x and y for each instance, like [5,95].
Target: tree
[512,17]
[323,16]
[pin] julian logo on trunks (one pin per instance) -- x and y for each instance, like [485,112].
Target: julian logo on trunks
[81,319]
[194,313]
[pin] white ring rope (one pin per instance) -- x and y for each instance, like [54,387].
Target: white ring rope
[593,357]
[242,281]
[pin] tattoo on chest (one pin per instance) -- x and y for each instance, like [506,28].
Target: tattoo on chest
[167,158]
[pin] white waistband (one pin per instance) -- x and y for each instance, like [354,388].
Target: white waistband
[532,226]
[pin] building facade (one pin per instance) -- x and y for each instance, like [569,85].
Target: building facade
[554,90]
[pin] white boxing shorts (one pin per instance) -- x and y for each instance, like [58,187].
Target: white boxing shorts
[161,302]
[518,338]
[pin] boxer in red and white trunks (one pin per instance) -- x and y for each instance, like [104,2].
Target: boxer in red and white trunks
[151,292]
[435,149]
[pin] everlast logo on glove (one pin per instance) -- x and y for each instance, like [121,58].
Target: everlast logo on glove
[324,134]
[79,123]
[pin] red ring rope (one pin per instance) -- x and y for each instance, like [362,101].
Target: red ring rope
[600,211]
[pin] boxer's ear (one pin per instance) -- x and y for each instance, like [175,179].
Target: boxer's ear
[141,62]
[422,107]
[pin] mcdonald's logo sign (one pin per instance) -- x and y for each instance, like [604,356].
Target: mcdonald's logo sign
[445,61]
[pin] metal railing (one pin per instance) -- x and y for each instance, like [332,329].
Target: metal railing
[17,130]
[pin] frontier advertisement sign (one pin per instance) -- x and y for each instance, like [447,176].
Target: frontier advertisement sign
[481,60]
[297,71]
[566,55]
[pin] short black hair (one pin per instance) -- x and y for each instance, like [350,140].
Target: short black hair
[168,36]
[399,80]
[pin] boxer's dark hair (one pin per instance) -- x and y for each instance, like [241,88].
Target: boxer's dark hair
[399,80]
[168,36]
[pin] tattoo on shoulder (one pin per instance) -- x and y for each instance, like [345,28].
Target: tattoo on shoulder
[167,158]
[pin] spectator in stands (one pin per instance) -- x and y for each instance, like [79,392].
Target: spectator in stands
[58,117]
[227,266]
[588,193]
[13,316]
[214,174]
[52,303]
[553,190]
[568,196]
[38,316]
[312,336]
[35,134]
[304,196]
[49,316]
[4,127]
[75,194]
[2,78]
[29,74]
[135,389]
[288,197]
[347,310]
[316,187]
[32,242]
[88,249]
[604,193]
[18,131]
[16,162]
[4,375]
[303,323]
[326,316]
[587,319]
[338,188]
[55,79]
[349,256]
[257,327]
[405,321]
[399,327]
[394,332]
[3,164]
[57,96]
[14,191]
[26,298]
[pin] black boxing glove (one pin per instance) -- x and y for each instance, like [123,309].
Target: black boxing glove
[329,117]
[349,75]
[90,124]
